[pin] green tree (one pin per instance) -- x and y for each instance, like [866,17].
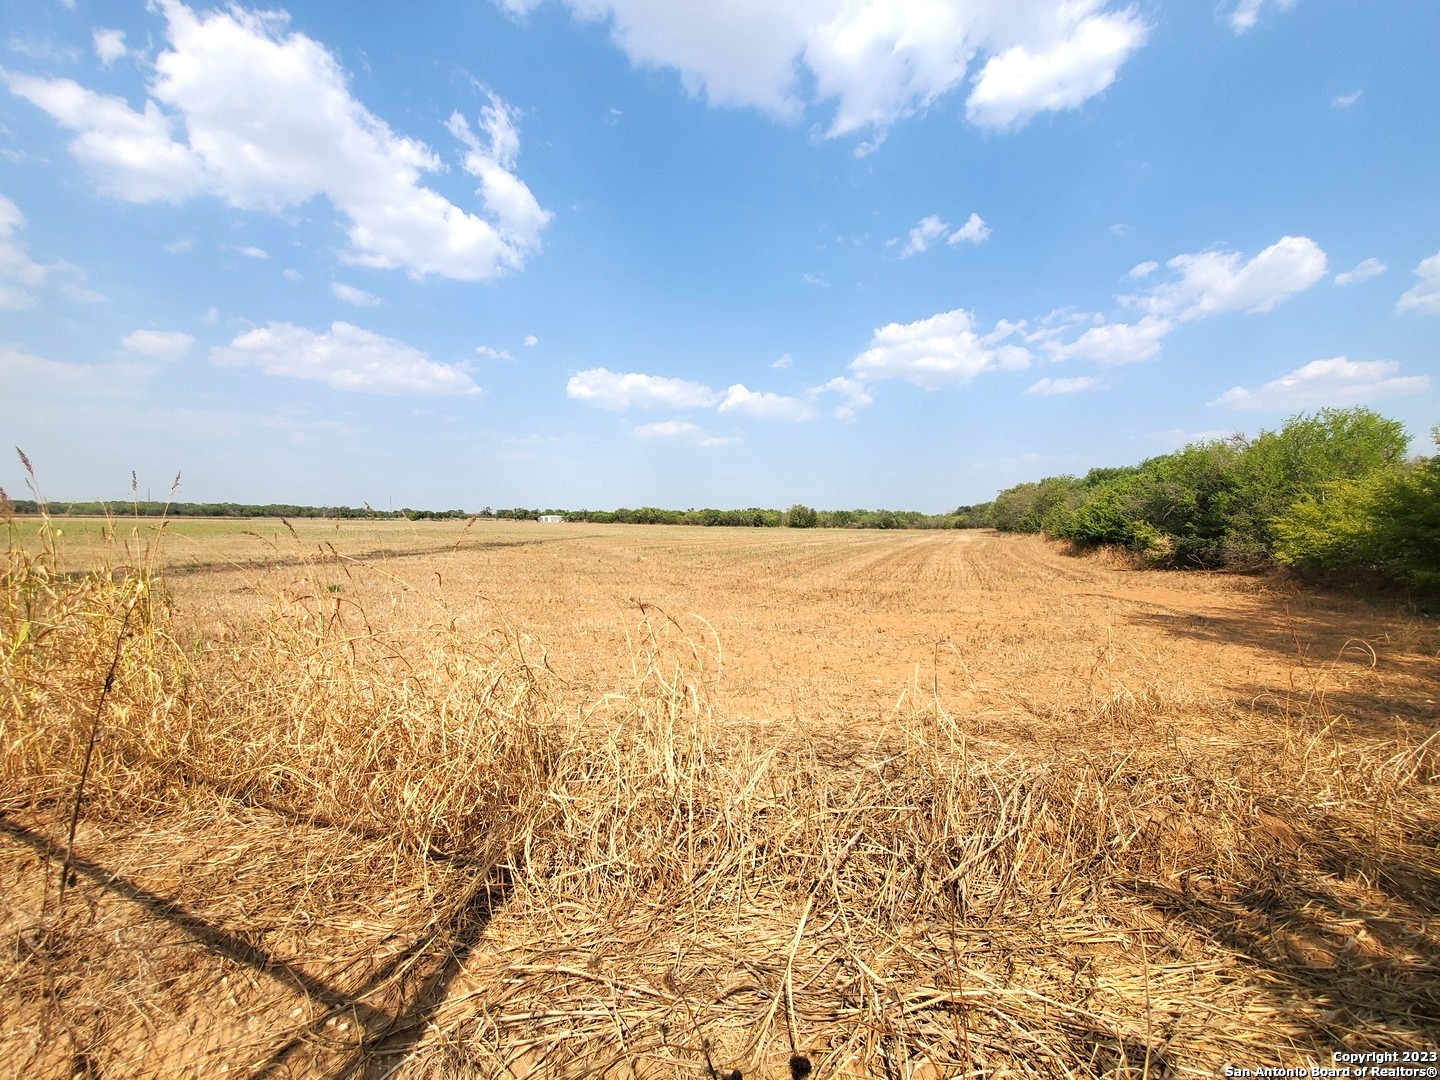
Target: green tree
[801,516]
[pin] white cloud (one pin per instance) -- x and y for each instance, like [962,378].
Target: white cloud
[1119,230]
[492,354]
[1246,13]
[876,62]
[1425,297]
[853,394]
[349,294]
[1115,343]
[784,362]
[252,252]
[814,279]
[763,405]
[682,431]
[1144,269]
[531,341]
[1064,386]
[974,231]
[922,235]
[1023,81]
[133,155]
[1216,282]
[932,352]
[510,203]
[607,389]
[158,344]
[1337,381]
[345,358]
[291,274]
[180,246]
[18,274]
[931,228]
[211,316]
[109,45]
[1344,101]
[1367,269]
[269,123]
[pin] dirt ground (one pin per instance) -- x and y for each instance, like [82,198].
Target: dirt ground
[840,623]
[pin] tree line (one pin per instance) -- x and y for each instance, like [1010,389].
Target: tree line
[798,516]
[1330,495]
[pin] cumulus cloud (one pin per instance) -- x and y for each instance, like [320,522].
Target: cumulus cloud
[158,344]
[1115,343]
[1216,282]
[1367,269]
[1344,101]
[814,279]
[764,405]
[974,231]
[1337,381]
[492,354]
[1425,297]
[783,362]
[1246,13]
[530,341]
[1064,386]
[943,349]
[345,357]
[1024,80]
[252,252]
[682,431]
[853,395]
[876,63]
[18,274]
[349,294]
[1144,269]
[607,389]
[109,45]
[269,122]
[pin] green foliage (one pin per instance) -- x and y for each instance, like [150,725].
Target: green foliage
[1328,493]
[801,516]
[1385,525]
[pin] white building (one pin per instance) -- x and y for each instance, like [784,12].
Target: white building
[551,519]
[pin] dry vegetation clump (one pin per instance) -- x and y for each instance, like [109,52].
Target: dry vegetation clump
[319,845]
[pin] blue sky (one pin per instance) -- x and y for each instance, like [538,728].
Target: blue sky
[593,253]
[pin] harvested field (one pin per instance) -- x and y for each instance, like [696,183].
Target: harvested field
[418,800]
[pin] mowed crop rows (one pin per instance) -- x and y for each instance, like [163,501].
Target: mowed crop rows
[417,800]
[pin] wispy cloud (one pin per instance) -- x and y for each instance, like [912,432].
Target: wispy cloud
[1364,271]
[349,294]
[1424,297]
[607,389]
[344,357]
[1337,381]
[1065,386]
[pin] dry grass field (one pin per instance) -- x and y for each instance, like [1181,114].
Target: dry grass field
[418,800]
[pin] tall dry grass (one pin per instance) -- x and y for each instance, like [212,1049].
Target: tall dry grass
[321,845]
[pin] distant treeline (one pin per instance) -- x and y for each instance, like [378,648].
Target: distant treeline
[222,510]
[797,516]
[1330,495]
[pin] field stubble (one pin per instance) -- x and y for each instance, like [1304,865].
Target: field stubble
[386,799]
